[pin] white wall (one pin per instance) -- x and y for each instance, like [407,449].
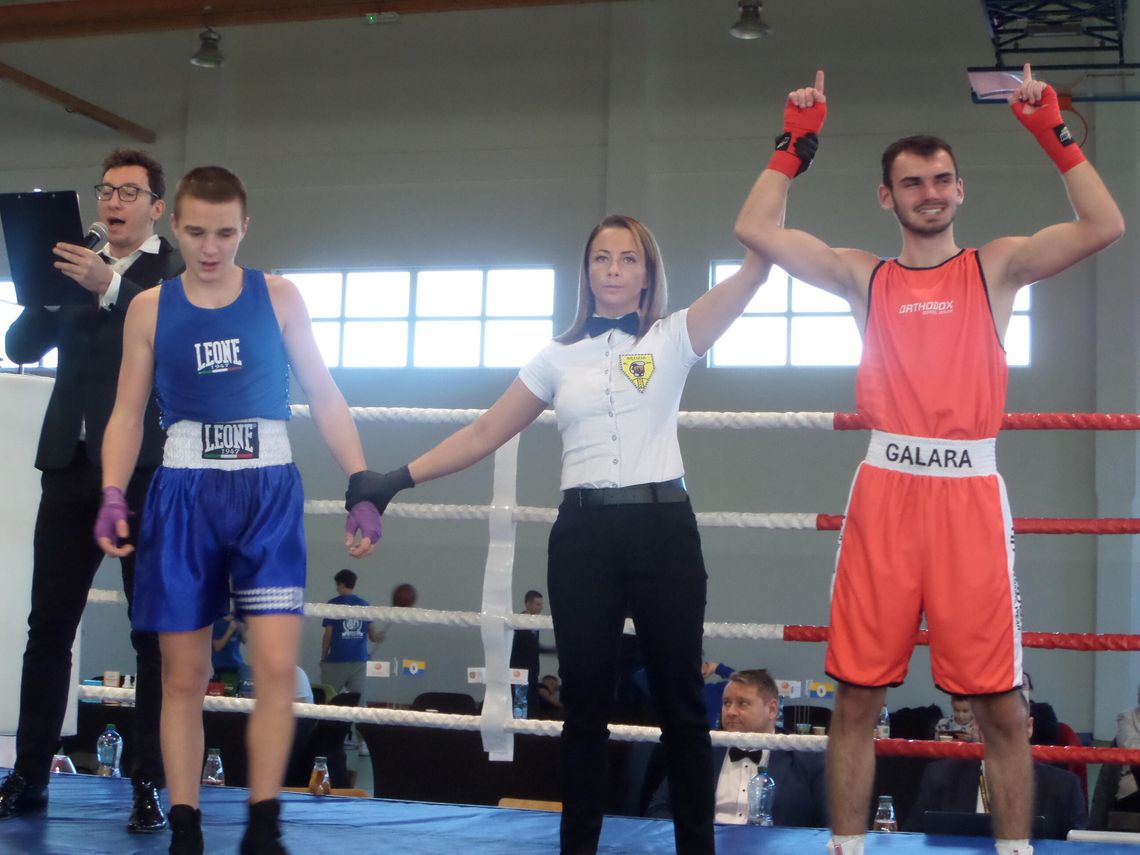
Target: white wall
[501,137]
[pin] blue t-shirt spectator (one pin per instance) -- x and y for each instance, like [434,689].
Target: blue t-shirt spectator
[349,642]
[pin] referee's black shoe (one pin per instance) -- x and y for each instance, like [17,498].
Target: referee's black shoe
[146,814]
[19,798]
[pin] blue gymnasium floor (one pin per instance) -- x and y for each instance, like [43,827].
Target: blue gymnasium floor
[88,814]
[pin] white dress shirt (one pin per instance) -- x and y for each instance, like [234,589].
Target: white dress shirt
[616,399]
[732,788]
[119,266]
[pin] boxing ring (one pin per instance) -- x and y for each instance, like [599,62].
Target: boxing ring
[404,825]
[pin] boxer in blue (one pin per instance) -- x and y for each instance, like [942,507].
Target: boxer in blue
[224,516]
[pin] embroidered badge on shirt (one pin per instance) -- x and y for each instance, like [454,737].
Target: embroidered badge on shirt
[230,441]
[638,367]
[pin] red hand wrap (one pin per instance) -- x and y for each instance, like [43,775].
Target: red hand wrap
[798,122]
[1046,124]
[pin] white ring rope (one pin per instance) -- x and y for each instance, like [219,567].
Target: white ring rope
[473,620]
[718,420]
[421,511]
[444,721]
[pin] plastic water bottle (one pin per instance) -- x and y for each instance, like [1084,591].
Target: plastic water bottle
[319,784]
[761,796]
[883,728]
[519,700]
[213,775]
[885,815]
[109,751]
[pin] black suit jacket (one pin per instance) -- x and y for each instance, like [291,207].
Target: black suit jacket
[525,650]
[90,342]
[801,789]
[952,785]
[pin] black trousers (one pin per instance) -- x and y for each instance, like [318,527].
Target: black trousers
[65,561]
[645,561]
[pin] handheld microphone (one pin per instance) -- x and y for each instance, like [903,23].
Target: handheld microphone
[96,235]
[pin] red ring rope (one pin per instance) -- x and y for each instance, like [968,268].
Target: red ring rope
[1041,640]
[976,750]
[1031,525]
[1030,421]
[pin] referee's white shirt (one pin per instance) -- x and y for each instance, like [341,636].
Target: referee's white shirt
[616,400]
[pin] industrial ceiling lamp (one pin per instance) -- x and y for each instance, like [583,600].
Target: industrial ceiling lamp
[751,24]
[209,53]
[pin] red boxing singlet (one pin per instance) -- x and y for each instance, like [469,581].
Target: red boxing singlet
[928,529]
[932,362]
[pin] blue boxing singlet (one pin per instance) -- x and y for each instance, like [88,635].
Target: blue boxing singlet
[220,365]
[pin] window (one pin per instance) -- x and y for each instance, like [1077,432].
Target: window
[429,318]
[1017,336]
[9,311]
[789,322]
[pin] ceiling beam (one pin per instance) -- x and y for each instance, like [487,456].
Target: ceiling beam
[78,18]
[75,104]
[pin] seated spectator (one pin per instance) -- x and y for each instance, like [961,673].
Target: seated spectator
[959,786]
[1116,793]
[1047,730]
[1128,727]
[960,726]
[549,697]
[1117,789]
[750,705]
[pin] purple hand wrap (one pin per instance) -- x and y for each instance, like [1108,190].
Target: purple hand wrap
[113,509]
[365,518]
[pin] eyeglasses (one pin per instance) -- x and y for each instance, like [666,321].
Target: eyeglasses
[127,192]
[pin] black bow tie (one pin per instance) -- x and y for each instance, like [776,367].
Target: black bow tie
[738,754]
[630,323]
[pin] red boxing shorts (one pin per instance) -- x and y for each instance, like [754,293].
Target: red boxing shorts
[928,531]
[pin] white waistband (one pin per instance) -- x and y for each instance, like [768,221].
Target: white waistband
[943,458]
[245,444]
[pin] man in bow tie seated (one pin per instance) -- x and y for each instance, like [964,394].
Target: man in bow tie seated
[750,705]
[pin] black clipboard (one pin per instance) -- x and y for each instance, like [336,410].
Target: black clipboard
[33,223]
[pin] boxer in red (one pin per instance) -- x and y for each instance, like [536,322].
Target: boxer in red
[928,528]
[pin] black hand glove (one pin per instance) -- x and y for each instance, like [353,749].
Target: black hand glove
[369,486]
[803,147]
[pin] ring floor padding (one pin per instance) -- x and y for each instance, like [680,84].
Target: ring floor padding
[88,814]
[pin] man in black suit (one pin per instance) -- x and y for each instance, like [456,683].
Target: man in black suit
[89,339]
[525,650]
[959,786]
[750,705]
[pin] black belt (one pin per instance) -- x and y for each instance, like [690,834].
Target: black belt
[635,494]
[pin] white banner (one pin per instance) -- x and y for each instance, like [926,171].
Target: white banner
[23,399]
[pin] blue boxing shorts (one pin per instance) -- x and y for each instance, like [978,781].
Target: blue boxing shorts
[224,517]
